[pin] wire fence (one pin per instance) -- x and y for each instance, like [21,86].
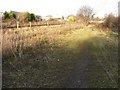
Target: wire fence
[16,24]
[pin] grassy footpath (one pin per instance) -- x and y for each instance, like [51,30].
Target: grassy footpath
[51,58]
[105,60]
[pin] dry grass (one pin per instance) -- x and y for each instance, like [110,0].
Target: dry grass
[45,56]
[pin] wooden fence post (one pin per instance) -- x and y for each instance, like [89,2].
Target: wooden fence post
[17,24]
[30,24]
[47,23]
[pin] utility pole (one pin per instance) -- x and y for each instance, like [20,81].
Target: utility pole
[119,8]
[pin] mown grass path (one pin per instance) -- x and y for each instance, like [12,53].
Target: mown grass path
[97,66]
[80,76]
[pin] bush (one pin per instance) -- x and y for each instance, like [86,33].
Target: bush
[71,18]
[32,17]
[9,15]
[111,21]
[26,17]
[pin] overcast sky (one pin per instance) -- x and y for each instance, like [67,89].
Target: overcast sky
[59,7]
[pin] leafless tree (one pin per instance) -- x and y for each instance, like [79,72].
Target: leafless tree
[85,11]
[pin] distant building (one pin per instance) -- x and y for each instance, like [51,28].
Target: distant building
[47,17]
[119,8]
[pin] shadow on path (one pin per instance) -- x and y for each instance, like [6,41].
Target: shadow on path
[79,76]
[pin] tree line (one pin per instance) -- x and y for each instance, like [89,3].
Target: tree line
[22,16]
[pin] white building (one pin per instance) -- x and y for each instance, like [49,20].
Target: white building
[46,17]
